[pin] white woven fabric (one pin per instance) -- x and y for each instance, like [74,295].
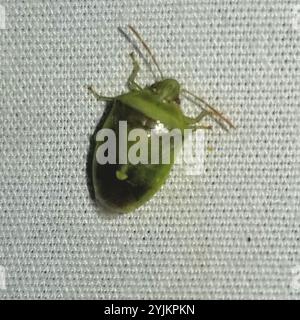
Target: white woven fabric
[232,232]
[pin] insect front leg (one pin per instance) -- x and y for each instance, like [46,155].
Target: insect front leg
[98,96]
[131,84]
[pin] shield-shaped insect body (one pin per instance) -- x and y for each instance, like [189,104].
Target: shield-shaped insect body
[127,171]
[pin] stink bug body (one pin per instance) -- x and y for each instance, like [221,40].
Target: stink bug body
[124,186]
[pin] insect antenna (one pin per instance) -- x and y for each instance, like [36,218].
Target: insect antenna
[213,111]
[147,49]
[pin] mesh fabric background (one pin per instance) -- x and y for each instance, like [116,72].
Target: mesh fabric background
[233,232]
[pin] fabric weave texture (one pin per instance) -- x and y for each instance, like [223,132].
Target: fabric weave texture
[232,232]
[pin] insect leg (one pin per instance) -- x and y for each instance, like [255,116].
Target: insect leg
[98,96]
[212,112]
[201,126]
[202,115]
[147,49]
[194,122]
[131,84]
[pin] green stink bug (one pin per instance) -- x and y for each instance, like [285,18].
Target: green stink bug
[124,186]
